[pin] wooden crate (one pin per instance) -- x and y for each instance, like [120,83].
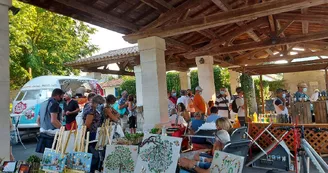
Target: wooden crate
[319,141]
[302,111]
[320,111]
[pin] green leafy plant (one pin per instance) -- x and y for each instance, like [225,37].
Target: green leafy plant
[129,84]
[33,159]
[246,82]
[154,130]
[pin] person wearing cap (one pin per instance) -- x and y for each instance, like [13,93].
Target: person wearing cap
[280,106]
[203,163]
[300,94]
[199,102]
[315,95]
[71,110]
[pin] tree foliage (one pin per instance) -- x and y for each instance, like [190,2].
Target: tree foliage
[173,81]
[120,159]
[44,41]
[129,84]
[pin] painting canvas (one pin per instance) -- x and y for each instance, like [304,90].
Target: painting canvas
[158,153]
[24,168]
[53,161]
[226,163]
[120,158]
[79,161]
[9,166]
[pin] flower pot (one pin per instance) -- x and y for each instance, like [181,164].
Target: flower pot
[35,167]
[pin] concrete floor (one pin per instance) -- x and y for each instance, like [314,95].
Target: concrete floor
[30,143]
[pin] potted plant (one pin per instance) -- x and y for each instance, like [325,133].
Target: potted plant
[34,161]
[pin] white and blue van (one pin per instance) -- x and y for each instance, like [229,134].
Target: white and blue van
[27,102]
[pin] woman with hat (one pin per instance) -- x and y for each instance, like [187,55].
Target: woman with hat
[300,94]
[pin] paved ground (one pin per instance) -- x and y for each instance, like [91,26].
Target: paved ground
[30,143]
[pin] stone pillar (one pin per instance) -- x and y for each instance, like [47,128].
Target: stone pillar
[189,80]
[234,81]
[137,74]
[206,77]
[184,80]
[4,79]
[154,91]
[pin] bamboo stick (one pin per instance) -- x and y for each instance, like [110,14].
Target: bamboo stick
[54,142]
[87,142]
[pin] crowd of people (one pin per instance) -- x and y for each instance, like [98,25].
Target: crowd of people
[183,110]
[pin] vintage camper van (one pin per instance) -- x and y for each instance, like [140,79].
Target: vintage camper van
[26,105]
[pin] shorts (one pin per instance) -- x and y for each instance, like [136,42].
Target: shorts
[70,126]
[282,118]
[132,122]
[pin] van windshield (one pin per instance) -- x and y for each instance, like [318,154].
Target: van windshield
[33,94]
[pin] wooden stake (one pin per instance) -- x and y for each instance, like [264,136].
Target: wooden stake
[262,94]
[55,139]
[68,138]
[87,142]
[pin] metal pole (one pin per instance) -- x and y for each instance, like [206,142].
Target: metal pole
[262,94]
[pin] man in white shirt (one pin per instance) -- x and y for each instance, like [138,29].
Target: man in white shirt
[240,105]
[184,99]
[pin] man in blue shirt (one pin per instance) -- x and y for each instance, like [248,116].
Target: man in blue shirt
[300,94]
[214,115]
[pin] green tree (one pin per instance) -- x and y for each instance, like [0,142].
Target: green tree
[173,81]
[44,41]
[129,84]
[120,159]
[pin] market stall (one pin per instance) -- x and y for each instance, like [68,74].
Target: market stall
[318,140]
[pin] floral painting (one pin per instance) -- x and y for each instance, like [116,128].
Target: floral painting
[79,161]
[53,161]
[158,154]
[120,158]
[226,163]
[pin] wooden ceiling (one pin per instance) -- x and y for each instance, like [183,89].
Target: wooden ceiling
[241,33]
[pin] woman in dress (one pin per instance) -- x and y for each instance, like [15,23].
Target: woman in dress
[132,114]
[110,112]
[93,117]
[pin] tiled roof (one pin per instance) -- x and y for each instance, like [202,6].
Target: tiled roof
[112,83]
[110,56]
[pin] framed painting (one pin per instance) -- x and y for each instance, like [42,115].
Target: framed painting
[9,166]
[53,161]
[158,153]
[226,163]
[120,158]
[79,161]
[24,168]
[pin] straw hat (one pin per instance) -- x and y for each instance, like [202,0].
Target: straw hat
[316,90]
[302,85]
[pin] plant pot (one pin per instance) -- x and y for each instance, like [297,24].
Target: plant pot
[35,167]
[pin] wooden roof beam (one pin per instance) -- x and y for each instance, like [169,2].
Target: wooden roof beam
[264,44]
[219,19]
[172,14]
[164,4]
[96,13]
[222,4]
[305,24]
[155,5]
[312,18]
[107,71]
[278,58]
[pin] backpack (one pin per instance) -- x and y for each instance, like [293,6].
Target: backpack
[235,108]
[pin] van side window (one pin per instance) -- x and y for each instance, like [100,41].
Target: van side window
[20,96]
[32,95]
